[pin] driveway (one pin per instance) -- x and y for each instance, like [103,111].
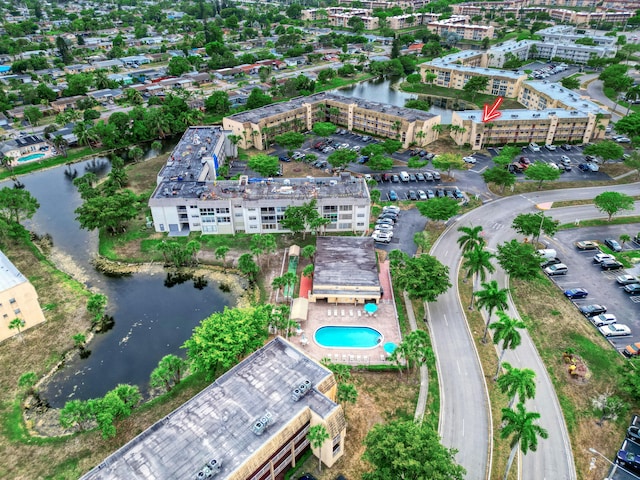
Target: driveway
[465,422]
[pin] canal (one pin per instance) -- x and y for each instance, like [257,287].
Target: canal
[151,319]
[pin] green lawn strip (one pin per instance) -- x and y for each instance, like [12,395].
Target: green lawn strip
[573,203]
[598,222]
[337,82]
[432,410]
[489,363]
[534,300]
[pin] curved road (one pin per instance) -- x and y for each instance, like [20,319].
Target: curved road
[465,422]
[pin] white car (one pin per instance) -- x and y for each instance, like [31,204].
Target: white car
[566,160]
[384,228]
[551,148]
[469,160]
[601,257]
[603,319]
[367,177]
[626,279]
[422,195]
[381,237]
[534,147]
[615,330]
[391,208]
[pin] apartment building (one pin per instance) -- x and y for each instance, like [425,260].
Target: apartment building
[521,126]
[504,83]
[459,24]
[399,22]
[189,198]
[567,33]
[340,16]
[18,299]
[250,424]
[582,18]
[371,4]
[258,127]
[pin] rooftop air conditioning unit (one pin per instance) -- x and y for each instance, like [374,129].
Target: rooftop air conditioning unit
[513,115]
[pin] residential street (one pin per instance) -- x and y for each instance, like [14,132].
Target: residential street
[465,423]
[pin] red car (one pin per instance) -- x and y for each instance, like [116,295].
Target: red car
[632,350]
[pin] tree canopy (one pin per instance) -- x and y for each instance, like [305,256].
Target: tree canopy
[519,260]
[531,224]
[405,449]
[607,150]
[324,129]
[499,176]
[290,140]
[223,338]
[439,209]
[422,277]
[265,165]
[540,172]
[613,202]
[341,158]
[17,204]
[109,212]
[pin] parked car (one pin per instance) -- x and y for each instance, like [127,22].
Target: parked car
[436,175]
[384,221]
[588,167]
[412,177]
[628,460]
[412,195]
[626,279]
[574,293]
[391,208]
[613,244]
[420,177]
[307,476]
[439,193]
[615,330]
[632,288]
[565,160]
[632,351]
[566,147]
[422,195]
[551,261]
[393,196]
[603,319]
[557,269]
[534,147]
[611,265]
[457,193]
[395,179]
[428,176]
[586,245]
[471,160]
[592,310]
[633,432]
[430,194]
[384,227]
[386,231]
[551,148]
[601,257]
[284,158]
[381,237]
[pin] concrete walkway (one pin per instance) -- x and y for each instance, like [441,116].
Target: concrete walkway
[421,405]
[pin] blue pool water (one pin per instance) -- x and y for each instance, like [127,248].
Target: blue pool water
[347,337]
[33,156]
[390,347]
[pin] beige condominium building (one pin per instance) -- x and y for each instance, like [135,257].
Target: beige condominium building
[189,198]
[258,127]
[18,299]
[460,25]
[250,424]
[339,16]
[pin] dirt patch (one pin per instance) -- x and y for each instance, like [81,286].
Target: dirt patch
[141,173]
[381,396]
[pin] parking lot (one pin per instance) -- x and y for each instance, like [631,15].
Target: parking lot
[624,473]
[601,285]
[575,155]
[551,77]
[409,222]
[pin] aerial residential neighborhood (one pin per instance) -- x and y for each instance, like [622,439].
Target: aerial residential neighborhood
[356,239]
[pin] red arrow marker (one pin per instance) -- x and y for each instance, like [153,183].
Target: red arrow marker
[490,112]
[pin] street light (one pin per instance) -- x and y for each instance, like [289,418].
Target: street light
[593,450]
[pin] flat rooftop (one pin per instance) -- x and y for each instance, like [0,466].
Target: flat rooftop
[349,261]
[265,188]
[218,422]
[493,72]
[523,114]
[257,114]
[568,97]
[10,276]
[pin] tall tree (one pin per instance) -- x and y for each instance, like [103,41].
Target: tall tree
[17,204]
[317,435]
[168,373]
[532,224]
[109,212]
[499,176]
[517,383]
[524,433]
[17,324]
[221,253]
[408,450]
[471,238]
[439,209]
[506,331]
[265,165]
[491,298]
[223,338]
[477,263]
[422,277]
[613,202]
[540,172]
[519,260]
[346,393]
[247,266]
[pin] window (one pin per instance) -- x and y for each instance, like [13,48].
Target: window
[346,208]
[360,224]
[162,227]
[253,218]
[344,226]
[224,219]
[193,206]
[360,215]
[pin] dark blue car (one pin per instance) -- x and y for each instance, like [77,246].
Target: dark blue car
[576,293]
[628,460]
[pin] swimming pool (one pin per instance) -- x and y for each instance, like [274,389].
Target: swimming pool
[347,337]
[33,156]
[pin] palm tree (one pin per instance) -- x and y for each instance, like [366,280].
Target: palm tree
[17,324]
[100,79]
[519,425]
[347,393]
[397,125]
[624,238]
[278,283]
[61,144]
[506,331]
[221,254]
[290,280]
[438,129]
[471,238]
[420,136]
[491,297]
[317,435]
[631,96]
[478,264]
[84,134]
[517,382]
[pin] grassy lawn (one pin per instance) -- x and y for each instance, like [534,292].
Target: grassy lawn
[478,99]
[573,203]
[601,222]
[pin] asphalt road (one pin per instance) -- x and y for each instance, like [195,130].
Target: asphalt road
[465,422]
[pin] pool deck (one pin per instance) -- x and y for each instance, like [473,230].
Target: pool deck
[322,314]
